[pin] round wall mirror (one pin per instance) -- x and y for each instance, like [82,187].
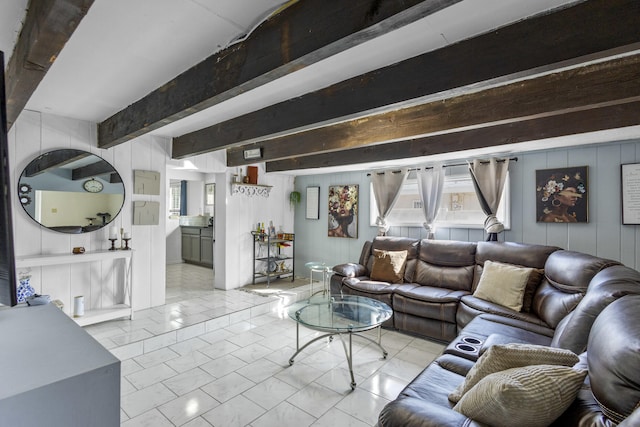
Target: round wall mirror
[71,191]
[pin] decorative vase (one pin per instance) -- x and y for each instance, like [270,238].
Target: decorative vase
[25,289]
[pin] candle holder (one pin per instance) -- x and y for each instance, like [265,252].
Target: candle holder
[113,244]
[126,244]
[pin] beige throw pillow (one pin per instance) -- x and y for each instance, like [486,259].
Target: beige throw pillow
[506,356]
[532,395]
[503,284]
[388,266]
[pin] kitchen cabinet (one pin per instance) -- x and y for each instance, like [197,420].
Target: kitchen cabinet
[197,245]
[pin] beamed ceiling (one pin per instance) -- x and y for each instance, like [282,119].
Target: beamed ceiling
[319,84]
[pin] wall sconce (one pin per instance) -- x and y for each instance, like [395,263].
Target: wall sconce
[254,153]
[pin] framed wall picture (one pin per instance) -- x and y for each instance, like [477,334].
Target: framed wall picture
[343,211]
[562,195]
[313,203]
[630,186]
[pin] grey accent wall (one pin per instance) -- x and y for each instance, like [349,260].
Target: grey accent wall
[603,236]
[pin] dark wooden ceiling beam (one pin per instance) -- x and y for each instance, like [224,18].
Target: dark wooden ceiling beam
[303,34]
[53,160]
[498,136]
[48,26]
[609,82]
[524,48]
[98,168]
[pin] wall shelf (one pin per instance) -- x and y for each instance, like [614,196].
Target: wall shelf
[91,315]
[250,189]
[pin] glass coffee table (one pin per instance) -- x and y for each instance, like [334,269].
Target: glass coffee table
[339,315]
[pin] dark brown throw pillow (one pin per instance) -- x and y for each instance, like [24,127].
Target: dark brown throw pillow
[388,266]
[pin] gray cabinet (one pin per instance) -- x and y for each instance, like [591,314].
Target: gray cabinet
[206,246]
[197,245]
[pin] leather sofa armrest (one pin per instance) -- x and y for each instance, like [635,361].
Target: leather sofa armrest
[413,412]
[350,270]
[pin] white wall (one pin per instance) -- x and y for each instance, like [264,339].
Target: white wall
[603,236]
[237,215]
[35,133]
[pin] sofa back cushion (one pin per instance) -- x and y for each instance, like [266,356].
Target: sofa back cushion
[613,358]
[445,264]
[567,276]
[387,243]
[606,286]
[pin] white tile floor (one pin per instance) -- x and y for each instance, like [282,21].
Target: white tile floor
[220,358]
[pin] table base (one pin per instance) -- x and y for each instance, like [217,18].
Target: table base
[347,351]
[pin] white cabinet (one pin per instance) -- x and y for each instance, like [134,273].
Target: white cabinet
[123,260]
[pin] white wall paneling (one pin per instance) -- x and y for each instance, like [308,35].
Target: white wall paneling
[35,133]
[234,244]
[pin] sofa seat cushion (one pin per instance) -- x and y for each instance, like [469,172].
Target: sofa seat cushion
[368,286]
[438,379]
[428,302]
[415,412]
[471,306]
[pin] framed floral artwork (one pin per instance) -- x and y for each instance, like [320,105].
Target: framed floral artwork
[562,195]
[343,211]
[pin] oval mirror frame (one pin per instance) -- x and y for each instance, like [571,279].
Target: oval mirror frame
[71,191]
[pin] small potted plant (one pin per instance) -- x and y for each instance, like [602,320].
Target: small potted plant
[294,198]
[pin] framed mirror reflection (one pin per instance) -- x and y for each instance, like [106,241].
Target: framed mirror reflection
[71,191]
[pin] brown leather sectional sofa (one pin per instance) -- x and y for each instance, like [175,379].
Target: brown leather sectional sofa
[435,300]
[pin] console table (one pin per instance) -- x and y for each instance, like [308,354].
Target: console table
[91,315]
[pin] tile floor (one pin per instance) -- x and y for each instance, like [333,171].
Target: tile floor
[220,358]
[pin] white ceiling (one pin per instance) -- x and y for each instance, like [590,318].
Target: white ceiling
[124,49]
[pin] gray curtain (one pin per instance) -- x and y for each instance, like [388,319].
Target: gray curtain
[386,189]
[430,183]
[488,179]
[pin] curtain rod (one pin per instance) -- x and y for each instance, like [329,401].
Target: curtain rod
[512,159]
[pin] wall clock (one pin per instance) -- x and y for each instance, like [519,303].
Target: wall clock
[93,185]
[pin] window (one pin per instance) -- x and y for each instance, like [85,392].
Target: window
[459,207]
[209,198]
[174,198]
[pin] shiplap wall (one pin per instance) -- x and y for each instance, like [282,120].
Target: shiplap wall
[35,133]
[603,236]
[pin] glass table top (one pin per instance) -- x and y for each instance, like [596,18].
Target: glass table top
[335,313]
